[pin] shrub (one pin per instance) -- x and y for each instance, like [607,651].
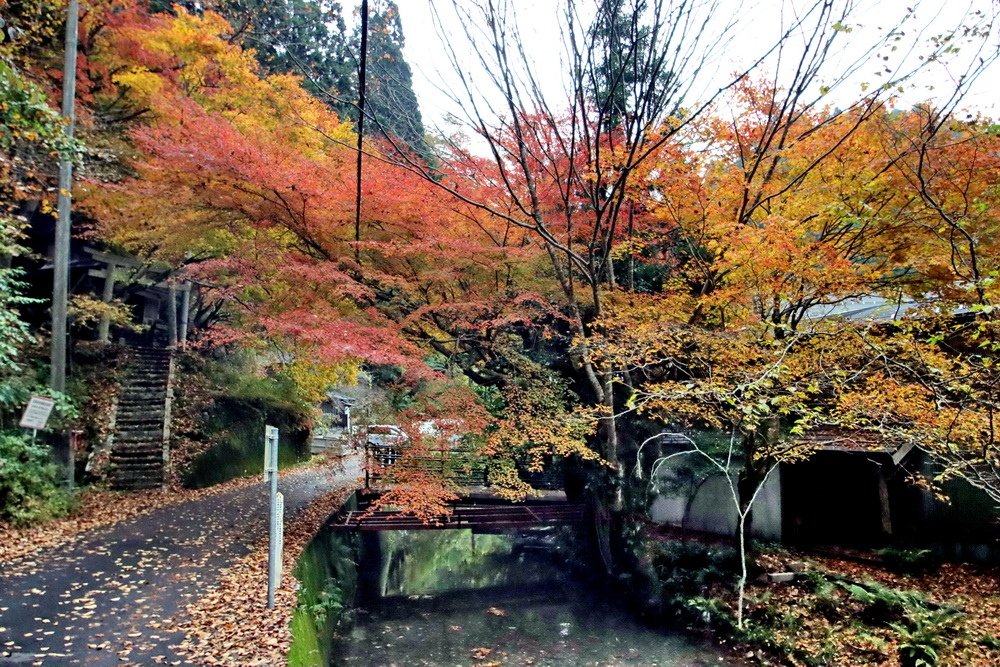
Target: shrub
[908,561]
[689,571]
[924,634]
[29,487]
[883,605]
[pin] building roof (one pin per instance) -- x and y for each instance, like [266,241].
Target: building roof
[856,441]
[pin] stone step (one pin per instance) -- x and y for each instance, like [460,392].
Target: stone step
[140,381]
[149,352]
[136,416]
[142,396]
[126,445]
[136,486]
[140,430]
[143,401]
[140,468]
[152,457]
[138,422]
[138,456]
[144,393]
[135,445]
[147,466]
[136,473]
[139,465]
[135,427]
[148,366]
[142,412]
[148,362]
[139,418]
[150,369]
[133,482]
[128,404]
[123,470]
[146,438]
[139,438]
[133,405]
[130,448]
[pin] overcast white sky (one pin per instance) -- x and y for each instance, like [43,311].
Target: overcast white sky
[539,22]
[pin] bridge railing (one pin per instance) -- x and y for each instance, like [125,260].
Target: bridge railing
[460,465]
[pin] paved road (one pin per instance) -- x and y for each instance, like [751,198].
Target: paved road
[108,598]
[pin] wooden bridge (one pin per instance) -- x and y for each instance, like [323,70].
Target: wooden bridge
[480,510]
[480,518]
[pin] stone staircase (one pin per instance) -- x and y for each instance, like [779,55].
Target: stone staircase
[140,452]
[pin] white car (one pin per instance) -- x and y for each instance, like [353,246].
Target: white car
[384,441]
[385,434]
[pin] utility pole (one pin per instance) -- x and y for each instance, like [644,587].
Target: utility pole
[362,76]
[60,258]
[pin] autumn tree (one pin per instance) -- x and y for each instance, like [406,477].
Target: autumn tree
[585,176]
[245,182]
[932,383]
[751,332]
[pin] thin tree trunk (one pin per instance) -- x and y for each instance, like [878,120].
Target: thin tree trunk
[742,583]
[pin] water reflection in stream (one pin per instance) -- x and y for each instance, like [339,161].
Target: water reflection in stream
[443,598]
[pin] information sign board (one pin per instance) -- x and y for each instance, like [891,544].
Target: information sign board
[36,414]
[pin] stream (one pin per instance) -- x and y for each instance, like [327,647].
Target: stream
[439,598]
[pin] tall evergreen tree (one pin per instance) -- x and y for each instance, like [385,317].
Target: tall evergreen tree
[392,107]
[621,61]
[307,37]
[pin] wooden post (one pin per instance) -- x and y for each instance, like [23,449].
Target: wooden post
[883,497]
[60,253]
[61,250]
[104,328]
[172,315]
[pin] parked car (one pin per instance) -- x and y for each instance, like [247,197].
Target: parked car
[385,442]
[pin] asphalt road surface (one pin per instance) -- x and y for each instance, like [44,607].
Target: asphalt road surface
[109,597]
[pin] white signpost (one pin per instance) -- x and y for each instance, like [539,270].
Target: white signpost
[36,414]
[277,514]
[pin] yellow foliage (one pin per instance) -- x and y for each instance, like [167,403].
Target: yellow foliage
[313,378]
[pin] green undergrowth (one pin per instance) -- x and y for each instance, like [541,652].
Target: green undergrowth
[328,579]
[820,618]
[29,481]
[221,410]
